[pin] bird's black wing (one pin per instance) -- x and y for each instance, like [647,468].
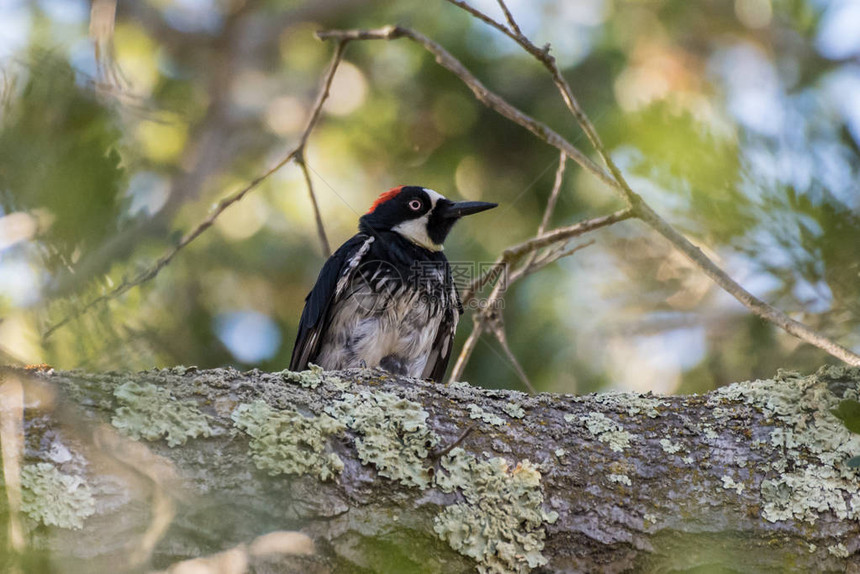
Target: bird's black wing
[440,353]
[330,285]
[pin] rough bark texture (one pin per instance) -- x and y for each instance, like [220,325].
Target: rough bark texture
[142,470]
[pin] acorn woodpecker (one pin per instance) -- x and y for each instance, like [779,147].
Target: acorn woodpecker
[386,297]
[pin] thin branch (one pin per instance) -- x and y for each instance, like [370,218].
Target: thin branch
[553,196]
[468,348]
[322,96]
[513,34]
[543,55]
[326,248]
[562,234]
[491,317]
[207,222]
[550,204]
[484,95]
[548,259]
[510,18]
[614,179]
[437,455]
[521,373]
[644,212]
[497,326]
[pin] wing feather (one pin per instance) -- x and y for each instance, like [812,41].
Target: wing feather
[440,353]
[329,288]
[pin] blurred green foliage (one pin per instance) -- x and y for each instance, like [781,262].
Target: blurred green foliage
[738,121]
[59,156]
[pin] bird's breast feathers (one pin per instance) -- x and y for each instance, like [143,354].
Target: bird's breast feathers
[384,319]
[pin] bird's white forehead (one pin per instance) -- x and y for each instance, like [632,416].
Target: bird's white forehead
[435,196]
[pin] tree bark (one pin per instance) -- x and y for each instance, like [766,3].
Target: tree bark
[138,471]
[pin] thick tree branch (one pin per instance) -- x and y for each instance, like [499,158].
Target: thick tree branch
[750,478]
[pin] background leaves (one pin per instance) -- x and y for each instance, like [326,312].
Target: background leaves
[736,120]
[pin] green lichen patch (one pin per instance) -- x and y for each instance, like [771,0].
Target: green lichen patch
[650,517]
[501,523]
[709,432]
[53,498]
[476,412]
[632,404]
[620,479]
[460,385]
[839,550]
[605,429]
[150,412]
[394,435]
[730,484]
[514,410]
[669,447]
[310,379]
[809,475]
[287,442]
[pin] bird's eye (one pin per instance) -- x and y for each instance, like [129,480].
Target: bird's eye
[415,204]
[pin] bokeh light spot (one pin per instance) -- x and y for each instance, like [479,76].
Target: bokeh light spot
[839,31]
[754,13]
[243,219]
[136,55]
[16,227]
[470,178]
[162,142]
[148,192]
[249,335]
[285,116]
[348,90]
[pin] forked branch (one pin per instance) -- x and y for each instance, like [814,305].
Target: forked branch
[638,207]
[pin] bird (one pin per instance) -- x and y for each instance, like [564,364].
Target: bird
[386,298]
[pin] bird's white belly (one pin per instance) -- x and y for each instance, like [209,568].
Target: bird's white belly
[369,329]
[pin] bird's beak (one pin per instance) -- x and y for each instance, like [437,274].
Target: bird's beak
[462,208]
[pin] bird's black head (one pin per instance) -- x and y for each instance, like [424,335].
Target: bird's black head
[421,215]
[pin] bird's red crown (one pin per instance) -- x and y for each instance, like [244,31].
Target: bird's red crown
[385,196]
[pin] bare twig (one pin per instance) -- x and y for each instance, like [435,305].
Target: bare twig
[437,455]
[514,33]
[155,268]
[553,196]
[490,317]
[547,259]
[550,203]
[468,348]
[497,327]
[613,177]
[326,248]
[484,95]
[562,234]
[558,237]
[510,18]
